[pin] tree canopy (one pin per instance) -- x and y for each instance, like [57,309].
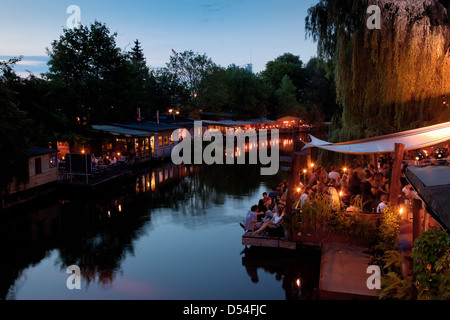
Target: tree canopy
[93,81]
[391,79]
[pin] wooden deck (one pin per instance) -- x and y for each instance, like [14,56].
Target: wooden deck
[264,240]
[343,261]
[315,239]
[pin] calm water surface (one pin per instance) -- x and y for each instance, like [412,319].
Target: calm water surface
[169,233]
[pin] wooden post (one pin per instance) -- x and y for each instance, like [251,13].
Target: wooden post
[395,186]
[417,210]
[294,179]
[308,158]
[375,161]
[425,216]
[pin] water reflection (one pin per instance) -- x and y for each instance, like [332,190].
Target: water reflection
[99,231]
[297,272]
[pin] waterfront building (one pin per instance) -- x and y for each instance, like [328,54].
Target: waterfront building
[42,174]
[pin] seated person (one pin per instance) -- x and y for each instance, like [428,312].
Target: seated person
[267,200]
[383,203]
[272,223]
[273,194]
[353,208]
[251,220]
[262,208]
[320,187]
[305,197]
[333,194]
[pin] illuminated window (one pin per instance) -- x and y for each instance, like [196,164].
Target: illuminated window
[153,183]
[166,140]
[160,141]
[137,185]
[52,161]
[161,177]
[152,143]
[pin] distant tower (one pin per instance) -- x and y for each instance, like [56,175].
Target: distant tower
[250,65]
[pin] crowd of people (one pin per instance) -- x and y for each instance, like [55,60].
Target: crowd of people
[269,212]
[356,188]
[106,160]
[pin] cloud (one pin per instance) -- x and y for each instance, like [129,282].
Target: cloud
[26,74]
[31,63]
[212,7]
[218,5]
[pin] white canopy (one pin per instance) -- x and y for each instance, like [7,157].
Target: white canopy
[412,139]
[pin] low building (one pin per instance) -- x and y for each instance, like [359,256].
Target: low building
[157,145]
[42,172]
[141,141]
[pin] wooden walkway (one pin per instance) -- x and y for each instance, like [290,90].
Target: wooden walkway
[343,272]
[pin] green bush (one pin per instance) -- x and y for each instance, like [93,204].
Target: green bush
[389,229]
[431,260]
[318,215]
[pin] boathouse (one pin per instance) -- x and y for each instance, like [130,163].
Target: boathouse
[42,174]
[140,141]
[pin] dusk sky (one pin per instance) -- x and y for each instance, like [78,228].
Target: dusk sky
[227,31]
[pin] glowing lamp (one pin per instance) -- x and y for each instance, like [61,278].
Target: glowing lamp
[420,155]
[440,153]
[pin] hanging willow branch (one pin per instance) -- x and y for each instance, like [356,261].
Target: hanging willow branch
[387,80]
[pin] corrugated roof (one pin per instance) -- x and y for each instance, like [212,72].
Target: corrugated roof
[116,130]
[231,123]
[147,126]
[36,151]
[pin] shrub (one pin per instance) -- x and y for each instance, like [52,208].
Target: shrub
[431,260]
[389,229]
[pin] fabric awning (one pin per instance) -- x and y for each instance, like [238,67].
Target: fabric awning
[412,139]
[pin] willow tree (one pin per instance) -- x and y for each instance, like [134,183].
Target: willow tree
[389,79]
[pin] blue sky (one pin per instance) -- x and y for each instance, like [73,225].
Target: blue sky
[227,31]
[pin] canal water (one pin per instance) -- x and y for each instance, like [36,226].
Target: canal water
[166,233]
